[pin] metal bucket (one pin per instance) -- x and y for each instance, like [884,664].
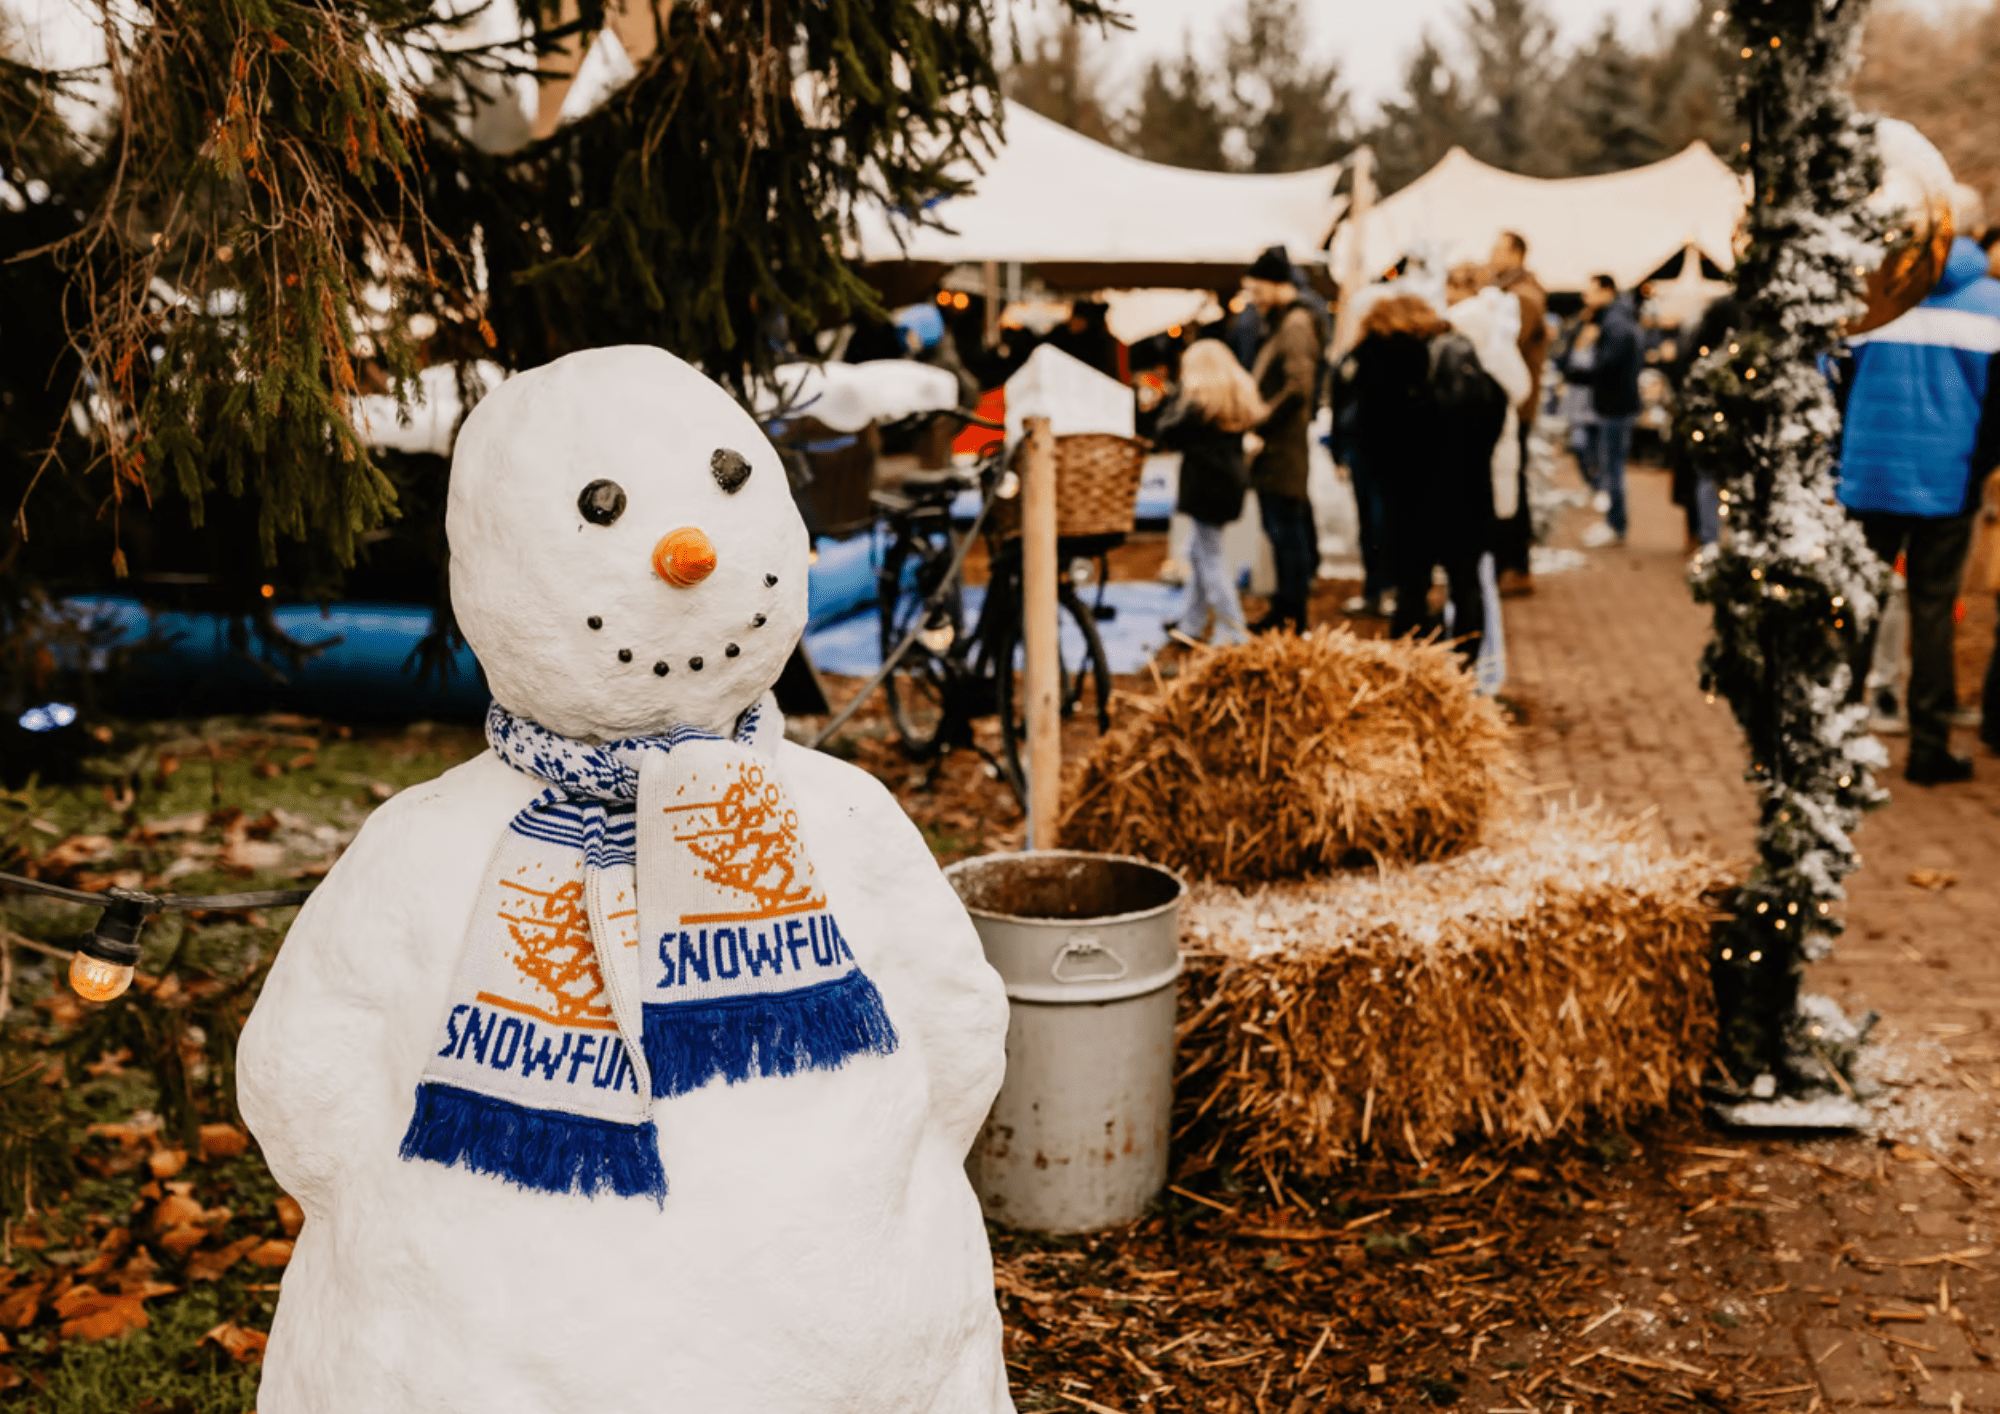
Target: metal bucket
[1088,945]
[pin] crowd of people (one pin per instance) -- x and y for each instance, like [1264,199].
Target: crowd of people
[1434,396]
[1435,389]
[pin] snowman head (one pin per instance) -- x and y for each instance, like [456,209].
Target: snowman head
[625,552]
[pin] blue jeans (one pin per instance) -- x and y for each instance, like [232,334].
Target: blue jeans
[1372,510]
[1209,588]
[1583,444]
[1614,445]
[1288,525]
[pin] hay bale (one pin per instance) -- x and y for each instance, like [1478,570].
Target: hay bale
[1554,979]
[1289,755]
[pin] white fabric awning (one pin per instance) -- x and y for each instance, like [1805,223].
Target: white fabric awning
[848,396]
[1053,196]
[1623,224]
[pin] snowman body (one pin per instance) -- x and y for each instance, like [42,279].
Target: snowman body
[819,1248]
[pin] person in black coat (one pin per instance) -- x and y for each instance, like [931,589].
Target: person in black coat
[1428,418]
[1206,424]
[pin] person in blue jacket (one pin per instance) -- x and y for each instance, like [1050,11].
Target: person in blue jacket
[1922,429]
[1613,377]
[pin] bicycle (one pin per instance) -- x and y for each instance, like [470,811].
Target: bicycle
[940,677]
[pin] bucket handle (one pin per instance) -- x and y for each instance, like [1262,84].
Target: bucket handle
[1085,945]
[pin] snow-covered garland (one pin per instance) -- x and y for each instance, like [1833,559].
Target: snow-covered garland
[1795,585]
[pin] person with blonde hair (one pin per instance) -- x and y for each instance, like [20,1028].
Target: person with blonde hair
[1208,424]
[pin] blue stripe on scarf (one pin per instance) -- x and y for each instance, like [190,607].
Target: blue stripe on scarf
[545,1150]
[605,834]
[777,1033]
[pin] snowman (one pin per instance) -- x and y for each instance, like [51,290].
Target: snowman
[632,1065]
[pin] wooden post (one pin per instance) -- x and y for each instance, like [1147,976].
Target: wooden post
[1041,680]
[990,333]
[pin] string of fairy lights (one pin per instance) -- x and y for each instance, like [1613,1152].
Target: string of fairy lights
[1792,587]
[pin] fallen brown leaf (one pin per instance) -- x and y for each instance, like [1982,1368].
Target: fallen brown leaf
[68,853]
[242,1343]
[222,1141]
[207,1266]
[183,1238]
[110,1063]
[290,1215]
[107,1252]
[90,1314]
[1935,880]
[165,1163]
[191,824]
[94,883]
[274,1253]
[176,1210]
[18,1307]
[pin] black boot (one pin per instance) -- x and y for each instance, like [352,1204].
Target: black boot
[1936,766]
[1276,616]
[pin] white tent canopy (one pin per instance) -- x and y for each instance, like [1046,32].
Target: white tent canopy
[1623,224]
[1053,196]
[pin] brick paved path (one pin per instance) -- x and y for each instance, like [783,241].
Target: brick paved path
[1887,1246]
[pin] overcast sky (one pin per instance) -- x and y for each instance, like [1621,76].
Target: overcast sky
[1372,39]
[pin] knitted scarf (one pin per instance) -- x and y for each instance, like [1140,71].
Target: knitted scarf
[646,924]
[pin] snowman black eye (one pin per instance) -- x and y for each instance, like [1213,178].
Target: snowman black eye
[601,502]
[731,469]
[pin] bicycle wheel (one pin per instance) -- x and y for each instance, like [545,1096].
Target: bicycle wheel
[1086,682]
[919,688]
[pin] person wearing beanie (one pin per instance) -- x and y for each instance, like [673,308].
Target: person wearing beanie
[1286,371]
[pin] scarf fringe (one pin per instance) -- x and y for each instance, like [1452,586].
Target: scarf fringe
[779,1033]
[545,1150]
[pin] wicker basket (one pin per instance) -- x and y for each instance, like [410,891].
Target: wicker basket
[1097,486]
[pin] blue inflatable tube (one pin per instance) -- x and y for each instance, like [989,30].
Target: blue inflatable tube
[361,658]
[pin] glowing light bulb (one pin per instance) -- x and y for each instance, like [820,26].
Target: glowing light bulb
[1791,908]
[1844,781]
[1763,908]
[1697,435]
[1756,957]
[1825,909]
[95,980]
[1780,925]
[1728,953]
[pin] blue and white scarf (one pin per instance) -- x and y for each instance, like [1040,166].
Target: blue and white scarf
[647,924]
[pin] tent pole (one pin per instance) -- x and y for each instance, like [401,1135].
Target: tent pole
[990,273]
[1353,274]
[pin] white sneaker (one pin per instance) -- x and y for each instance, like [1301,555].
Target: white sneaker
[1600,535]
[1600,501]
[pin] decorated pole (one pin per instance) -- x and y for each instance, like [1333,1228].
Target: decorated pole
[1794,587]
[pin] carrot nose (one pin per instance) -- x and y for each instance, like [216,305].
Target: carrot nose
[684,557]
